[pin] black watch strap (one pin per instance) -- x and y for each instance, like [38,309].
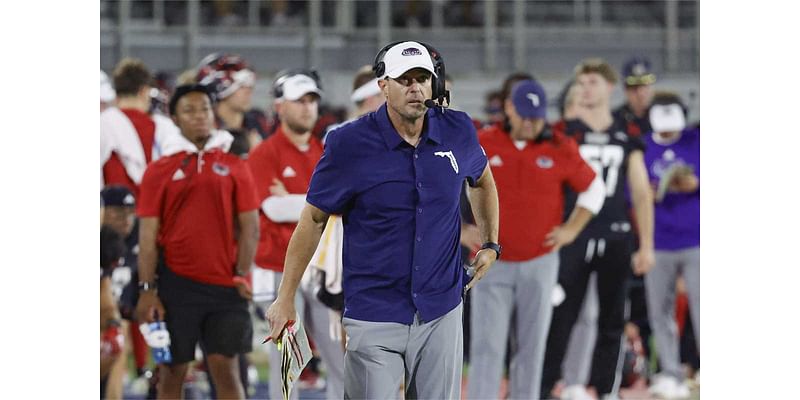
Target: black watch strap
[494,246]
[147,286]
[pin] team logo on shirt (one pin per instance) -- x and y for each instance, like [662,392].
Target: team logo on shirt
[289,172]
[544,162]
[448,154]
[220,169]
[496,161]
[178,175]
[621,136]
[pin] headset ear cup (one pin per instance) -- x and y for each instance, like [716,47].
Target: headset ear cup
[379,69]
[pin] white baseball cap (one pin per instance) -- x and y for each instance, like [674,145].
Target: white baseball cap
[667,118]
[107,93]
[405,56]
[297,86]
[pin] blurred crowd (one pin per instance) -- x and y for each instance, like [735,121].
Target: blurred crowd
[164,136]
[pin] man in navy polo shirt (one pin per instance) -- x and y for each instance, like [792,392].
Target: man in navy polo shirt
[395,176]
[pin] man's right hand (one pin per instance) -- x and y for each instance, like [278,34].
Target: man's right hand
[279,314]
[149,307]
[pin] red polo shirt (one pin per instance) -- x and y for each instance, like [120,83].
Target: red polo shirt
[197,206]
[530,187]
[278,158]
[114,172]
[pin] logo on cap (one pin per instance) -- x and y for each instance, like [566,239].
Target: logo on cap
[128,200]
[411,51]
[639,69]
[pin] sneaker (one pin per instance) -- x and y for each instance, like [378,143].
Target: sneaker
[575,392]
[668,388]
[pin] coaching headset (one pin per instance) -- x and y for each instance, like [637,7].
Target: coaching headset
[438,92]
[277,86]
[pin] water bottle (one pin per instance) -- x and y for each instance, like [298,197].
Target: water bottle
[157,337]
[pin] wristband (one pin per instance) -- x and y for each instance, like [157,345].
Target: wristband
[147,286]
[494,246]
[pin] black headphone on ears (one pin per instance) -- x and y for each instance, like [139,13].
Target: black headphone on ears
[438,92]
[283,75]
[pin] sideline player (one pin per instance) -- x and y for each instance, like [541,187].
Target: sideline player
[605,245]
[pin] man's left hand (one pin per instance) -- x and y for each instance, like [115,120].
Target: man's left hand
[643,261]
[560,236]
[243,287]
[483,261]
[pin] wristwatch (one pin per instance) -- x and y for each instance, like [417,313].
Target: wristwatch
[147,286]
[494,246]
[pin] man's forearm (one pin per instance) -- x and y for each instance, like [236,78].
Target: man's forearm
[578,219]
[485,206]
[301,248]
[248,241]
[148,253]
[643,208]
[642,198]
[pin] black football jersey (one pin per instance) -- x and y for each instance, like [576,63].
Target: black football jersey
[634,125]
[607,153]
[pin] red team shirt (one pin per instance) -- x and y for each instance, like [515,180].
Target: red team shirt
[114,172]
[530,187]
[278,158]
[197,206]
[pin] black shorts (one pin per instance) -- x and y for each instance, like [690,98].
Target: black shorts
[214,315]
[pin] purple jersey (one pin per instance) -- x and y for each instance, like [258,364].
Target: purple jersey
[677,216]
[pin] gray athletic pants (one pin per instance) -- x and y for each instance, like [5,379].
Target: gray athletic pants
[578,361]
[315,317]
[428,354]
[660,292]
[523,289]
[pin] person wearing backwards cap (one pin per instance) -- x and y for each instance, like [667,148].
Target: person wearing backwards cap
[531,164]
[233,81]
[673,164]
[638,84]
[395,176]
[199,225]
[282,167]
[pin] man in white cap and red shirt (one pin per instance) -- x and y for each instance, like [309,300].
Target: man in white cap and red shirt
[395,176]
[282,166]
[531,165]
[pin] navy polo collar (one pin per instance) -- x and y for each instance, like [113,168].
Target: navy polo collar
[393,139]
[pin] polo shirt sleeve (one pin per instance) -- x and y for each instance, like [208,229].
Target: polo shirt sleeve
[579,175]
[244,188]
[332,185]
[151,190]
[476,156]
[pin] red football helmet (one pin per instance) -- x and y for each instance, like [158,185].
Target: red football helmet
[225,73]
